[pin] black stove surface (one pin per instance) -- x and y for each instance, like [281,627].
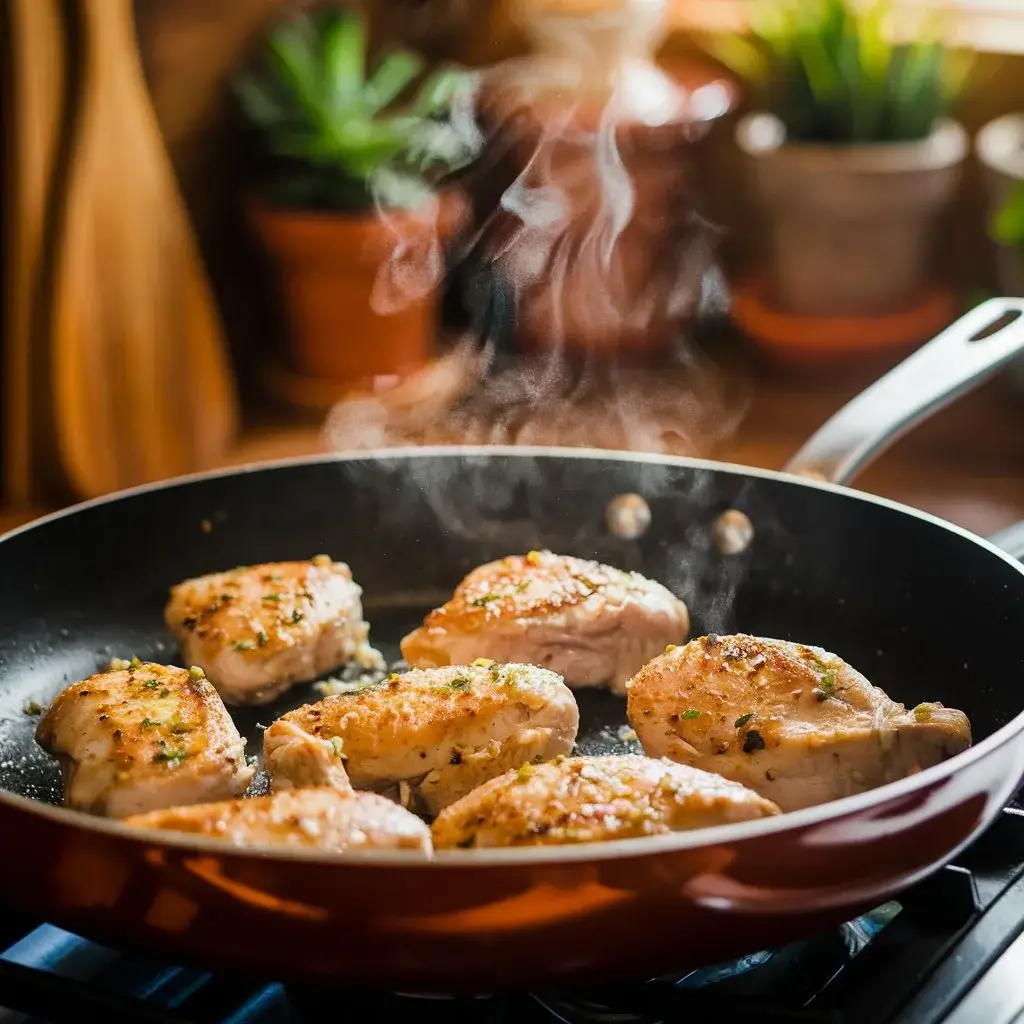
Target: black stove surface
[950,952]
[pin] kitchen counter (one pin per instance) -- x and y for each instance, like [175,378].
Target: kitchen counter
[966,464]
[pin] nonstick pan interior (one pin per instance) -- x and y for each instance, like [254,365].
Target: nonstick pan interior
[921,608]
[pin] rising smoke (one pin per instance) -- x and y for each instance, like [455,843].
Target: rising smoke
[578,241]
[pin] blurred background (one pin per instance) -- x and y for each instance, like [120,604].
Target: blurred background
[237,230]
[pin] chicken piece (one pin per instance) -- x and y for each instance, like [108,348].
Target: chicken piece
[590,623]
[321,819]
[435,734]
[795,723]
[594,799]
[257,630]
[144,737]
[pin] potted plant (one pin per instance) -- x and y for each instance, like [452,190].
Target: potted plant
[348,200]
[852,154]
[1000,150]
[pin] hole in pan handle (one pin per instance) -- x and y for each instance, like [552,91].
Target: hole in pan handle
[962,357]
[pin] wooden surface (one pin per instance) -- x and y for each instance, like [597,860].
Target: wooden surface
[136,332]
[35,121]
[966,464]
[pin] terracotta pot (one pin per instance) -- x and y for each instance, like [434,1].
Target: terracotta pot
[361,291]
[850,228]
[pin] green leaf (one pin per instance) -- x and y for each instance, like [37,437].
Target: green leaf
[257,103]
[437,92]
[344,60]
[325,124]
[395,72]
[292,56]
[1007,226]
[833,74]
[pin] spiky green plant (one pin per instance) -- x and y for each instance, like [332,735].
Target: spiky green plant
[334,131]
[1007,226]
[832,72]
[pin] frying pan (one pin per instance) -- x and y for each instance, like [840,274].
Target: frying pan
[923,608]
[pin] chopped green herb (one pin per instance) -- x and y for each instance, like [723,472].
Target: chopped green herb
[743,719]
[459,683]
[148,723]
[151,684]
[522,586]
[336,744]
[195,673]
[261,638]
[135,663]
[272,598]
[297,616]
[826,686]
[479,602]
[170,757]
[753,741]
[244,645]
[691,713]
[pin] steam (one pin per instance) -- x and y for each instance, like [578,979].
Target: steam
[577,238]
[585,262]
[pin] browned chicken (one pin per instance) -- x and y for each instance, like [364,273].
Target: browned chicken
[433,734]
[593,799]
[259,629]
[795,723]
[590,623]
[147,736]
[321,819]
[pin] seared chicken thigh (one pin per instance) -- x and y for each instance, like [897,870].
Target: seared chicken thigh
[141,738]
[592,799]
[795,723]
[321,819]
[259,629]
[436,734]
[590,623]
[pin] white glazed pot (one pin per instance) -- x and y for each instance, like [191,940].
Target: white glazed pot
[850,228]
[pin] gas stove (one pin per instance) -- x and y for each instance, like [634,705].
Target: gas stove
[950,951]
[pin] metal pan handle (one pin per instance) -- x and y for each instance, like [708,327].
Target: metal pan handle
[962,357]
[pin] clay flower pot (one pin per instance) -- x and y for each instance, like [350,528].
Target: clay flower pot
[1000,150]
[361,290]
[849,228]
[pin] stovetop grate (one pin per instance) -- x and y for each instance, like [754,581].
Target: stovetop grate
[908,963]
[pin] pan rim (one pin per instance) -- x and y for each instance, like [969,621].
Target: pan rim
[530,857]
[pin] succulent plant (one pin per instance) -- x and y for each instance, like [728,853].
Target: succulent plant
[335,133]
[833,73]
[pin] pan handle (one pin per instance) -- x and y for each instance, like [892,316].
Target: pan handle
[962,357]
[1010,539]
